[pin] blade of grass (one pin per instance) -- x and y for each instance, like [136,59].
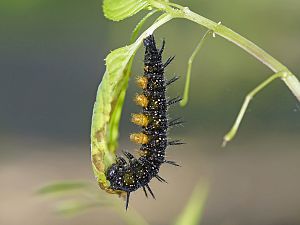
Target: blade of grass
[193,211]
[130,217]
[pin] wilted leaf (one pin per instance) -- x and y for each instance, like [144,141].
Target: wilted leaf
[105,105]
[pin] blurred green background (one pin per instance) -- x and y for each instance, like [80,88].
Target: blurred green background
[51,62]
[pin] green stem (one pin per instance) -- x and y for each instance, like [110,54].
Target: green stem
[230,135]
[287,77]
[290,80]
[185,98]
[139,26]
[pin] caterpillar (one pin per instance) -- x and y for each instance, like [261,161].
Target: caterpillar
[135,173]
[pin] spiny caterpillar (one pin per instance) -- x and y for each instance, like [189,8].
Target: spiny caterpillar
[128,176]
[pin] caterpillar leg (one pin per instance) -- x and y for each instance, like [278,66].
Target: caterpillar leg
[171,163]
[162,47]
[145,191]
[169,60]
[172,80]
[176,142]
[127,200]
[149,189]
[159,178]
[174,100]
[175,122]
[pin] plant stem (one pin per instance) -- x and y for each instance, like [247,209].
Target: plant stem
[280,70]
[290,79]
[185,98]
[230,135]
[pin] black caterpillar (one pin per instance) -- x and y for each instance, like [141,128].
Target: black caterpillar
[130,176]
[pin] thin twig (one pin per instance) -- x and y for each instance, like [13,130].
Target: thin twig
[185,98]
[230,135]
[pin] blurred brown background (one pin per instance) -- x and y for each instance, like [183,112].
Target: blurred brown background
[51,62]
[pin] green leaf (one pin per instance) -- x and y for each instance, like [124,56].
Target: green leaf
[107,111]
[117,10]
[63,187]
[72,207]
[193,211]
[108,93]
[113,134]
[89,198]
